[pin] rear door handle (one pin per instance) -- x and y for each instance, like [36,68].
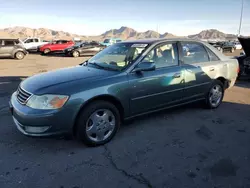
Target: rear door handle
[177,75]
[211,68]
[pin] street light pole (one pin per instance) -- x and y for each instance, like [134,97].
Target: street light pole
[241,14]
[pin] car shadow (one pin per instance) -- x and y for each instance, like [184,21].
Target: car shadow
[243,83]
[8,84]
[197,108]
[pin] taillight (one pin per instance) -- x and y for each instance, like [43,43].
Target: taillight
[238,70]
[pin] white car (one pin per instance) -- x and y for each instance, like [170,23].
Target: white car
[238,46]
[32,43]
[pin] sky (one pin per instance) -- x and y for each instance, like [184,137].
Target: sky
[93,17]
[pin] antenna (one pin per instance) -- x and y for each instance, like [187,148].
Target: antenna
[241,14]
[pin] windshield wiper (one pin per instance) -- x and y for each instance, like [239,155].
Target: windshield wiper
[102,67]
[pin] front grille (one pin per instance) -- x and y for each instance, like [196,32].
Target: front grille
[22,95]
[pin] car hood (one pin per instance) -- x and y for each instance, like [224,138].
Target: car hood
[38,83]
[245,42]
[104,44]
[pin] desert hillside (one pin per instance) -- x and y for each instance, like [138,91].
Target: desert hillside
[123,33]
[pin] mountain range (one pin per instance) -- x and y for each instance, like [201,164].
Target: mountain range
[124,33]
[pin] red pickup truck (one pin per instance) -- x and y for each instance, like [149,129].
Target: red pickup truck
[56,46]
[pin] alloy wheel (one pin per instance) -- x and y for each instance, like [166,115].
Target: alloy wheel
[76,54]
[215,95]
[100,125]
[19,55]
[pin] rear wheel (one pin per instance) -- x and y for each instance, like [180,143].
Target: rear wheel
[215,95]
[46,51]
[19,55]
[97,123]
[76,54]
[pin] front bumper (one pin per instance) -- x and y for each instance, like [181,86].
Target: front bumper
[35,122]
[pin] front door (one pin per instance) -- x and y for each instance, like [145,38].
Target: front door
[161,87]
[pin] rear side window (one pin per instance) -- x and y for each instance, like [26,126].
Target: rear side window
[194,53]
[9,43]
[212,56]
[35,40]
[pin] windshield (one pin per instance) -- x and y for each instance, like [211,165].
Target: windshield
[106,41]
[118,56]
[80,44]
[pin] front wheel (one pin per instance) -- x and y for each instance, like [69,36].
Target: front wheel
[98,123]
[215,95]
[76,54]
[46,51]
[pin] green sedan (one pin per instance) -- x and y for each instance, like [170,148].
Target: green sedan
[125,80]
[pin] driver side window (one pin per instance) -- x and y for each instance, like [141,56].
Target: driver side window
[164,55]
[29,41]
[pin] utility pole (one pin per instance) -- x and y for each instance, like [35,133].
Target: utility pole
[241,14]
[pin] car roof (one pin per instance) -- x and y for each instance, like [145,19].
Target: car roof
[8,38]
[155,40]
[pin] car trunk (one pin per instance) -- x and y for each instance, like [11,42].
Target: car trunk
[245,42]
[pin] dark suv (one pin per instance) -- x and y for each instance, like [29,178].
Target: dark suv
[12,48]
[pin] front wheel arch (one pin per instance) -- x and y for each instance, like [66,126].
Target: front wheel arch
[108,98]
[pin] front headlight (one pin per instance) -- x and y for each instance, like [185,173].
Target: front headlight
[47,101]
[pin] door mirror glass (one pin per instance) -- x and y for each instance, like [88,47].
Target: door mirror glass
[145,66]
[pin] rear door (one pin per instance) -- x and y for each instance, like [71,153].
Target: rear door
[7,47]
[161,87]
[199,70]
[65,44]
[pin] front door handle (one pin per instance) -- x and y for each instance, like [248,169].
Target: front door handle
[211,68]
[177,75]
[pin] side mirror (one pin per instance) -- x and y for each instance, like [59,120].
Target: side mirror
[144,66]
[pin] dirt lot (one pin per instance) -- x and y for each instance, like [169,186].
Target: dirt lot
[183,147]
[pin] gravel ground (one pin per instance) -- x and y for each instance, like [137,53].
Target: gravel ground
[181,147]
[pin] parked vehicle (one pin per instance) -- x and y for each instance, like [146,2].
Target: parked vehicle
[110,41]
[84,48]
[32,43]
[11,48]
[238,45]
[224,46]
[91,99]
[244,58]
[56,46]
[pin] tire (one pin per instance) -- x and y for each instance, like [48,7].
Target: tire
[75,53]
[46,51]
[105,126]
[19,55]
[209,96]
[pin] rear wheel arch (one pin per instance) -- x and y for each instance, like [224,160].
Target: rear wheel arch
[107,98]
[224,81]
